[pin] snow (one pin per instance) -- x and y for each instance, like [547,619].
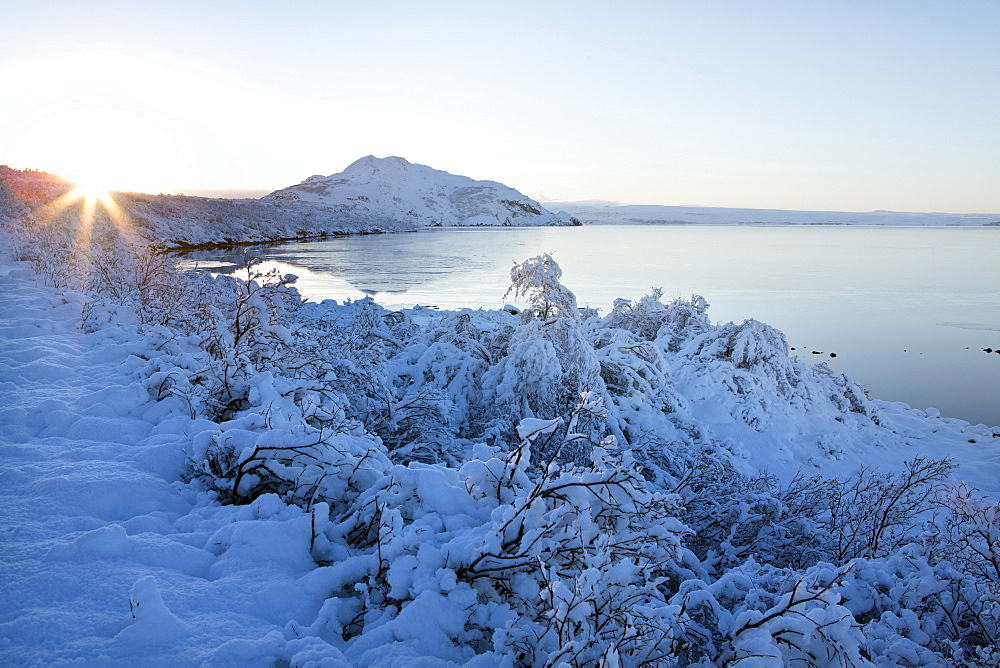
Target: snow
[203,470]
[106,556]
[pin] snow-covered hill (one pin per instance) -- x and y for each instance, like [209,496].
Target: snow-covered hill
[607,213]
[178,220]
[396,189]
[30,186]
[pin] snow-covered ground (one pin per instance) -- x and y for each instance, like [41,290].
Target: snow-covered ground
[109,558]
[632,214]
[206,470]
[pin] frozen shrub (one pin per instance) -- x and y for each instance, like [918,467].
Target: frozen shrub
[245,328]
[436,393]
[132,275]
[650,319]
[964,539]
[56,246]
[242,462]
[537,563]
[735,517]
[751,364]
[452,515]
[765,616]
[872,513]
[638,383]
[966,532]
[537,281]
[847,395]
[12,209]
[549,359]
[914,610]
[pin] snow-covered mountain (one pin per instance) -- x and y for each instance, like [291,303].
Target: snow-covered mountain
[609,213]
[397,189]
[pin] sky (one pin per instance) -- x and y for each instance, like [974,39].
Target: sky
[849,106]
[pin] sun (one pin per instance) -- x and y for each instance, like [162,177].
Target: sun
[92,190]
[95,195]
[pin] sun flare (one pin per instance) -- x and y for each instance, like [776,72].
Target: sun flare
[92,190]
[95,195]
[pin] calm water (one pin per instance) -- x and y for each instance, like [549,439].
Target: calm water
[908,311]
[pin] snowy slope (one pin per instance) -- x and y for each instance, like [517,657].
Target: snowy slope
[94,520]
[178,220]
[397,189]
[649,214]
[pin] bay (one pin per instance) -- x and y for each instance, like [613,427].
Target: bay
[906,311]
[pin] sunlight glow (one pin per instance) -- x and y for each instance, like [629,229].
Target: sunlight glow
[92,190]
[92,196]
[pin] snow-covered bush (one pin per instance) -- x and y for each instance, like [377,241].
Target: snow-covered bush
[963,539]
[537,280]
[914,609]
[736,517]
[766,616]
[549,360]
[273,454]
[811,519]
[651,319]
[12,208]
[966,532]
[538,563]
[872,513]
[436,389]
[53,241]
[123,273]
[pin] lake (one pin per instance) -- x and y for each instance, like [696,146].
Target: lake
[907,311]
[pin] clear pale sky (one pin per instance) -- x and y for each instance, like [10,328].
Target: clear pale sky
[800,105]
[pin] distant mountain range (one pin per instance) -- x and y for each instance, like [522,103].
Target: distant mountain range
[396,188]
[609,213]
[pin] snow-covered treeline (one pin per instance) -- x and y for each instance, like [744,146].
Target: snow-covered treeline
[544,486]
[29,186]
